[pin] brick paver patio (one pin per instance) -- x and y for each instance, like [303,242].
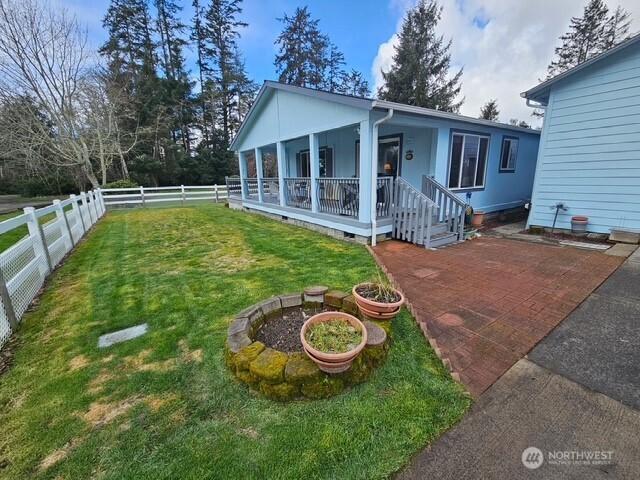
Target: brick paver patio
[485,303]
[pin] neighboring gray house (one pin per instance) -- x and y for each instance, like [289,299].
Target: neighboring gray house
[589,156]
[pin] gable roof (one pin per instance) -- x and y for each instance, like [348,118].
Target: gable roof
[540,92]
[365,104]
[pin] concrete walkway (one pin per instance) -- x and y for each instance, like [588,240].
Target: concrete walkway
[575,394]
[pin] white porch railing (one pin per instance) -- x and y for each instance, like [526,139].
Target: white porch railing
[270,190]
[451,210]
[180,193]
[25,265]
[298,192]
[338,196]
[251,187]
[413,214]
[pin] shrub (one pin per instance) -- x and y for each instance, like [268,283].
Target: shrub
[121,184]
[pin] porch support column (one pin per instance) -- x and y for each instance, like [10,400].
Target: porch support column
[242,161]
[442,155]
[314,161]
[282,171]
[364,208]
[259,173]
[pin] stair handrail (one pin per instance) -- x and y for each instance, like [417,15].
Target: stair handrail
[412,222]
[454,216]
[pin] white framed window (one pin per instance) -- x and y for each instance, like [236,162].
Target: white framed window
[509,154]
[468,161]
[325,156]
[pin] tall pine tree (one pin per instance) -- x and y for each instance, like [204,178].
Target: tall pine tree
[489,111]
[307,58]
[420,71]
[592,33]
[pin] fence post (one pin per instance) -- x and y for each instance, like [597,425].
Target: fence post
[95,205]
[78,213]
[142,194]
[62,217]
[84,208]
[90,208]
[37,236]
[215,188]
[183,196]
[100,202]
[8,304]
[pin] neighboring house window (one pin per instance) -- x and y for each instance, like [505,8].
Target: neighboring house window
[468,162]
[326,162]
[509,154]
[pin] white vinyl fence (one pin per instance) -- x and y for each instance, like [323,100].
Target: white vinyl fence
[148,195]
[26,264]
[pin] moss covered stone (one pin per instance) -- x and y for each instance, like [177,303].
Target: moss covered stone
[247,377]
[301,369]
[248,354]
[359,371]
[279,391]
[349,305]
[334,298]
[324,388]
[269,365]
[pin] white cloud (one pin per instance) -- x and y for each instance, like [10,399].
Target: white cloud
[505,57]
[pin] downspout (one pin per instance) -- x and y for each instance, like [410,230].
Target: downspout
[374,175]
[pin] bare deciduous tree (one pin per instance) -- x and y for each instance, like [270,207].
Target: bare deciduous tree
[67,118]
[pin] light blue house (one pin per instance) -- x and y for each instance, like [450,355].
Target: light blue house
[589,158]
[364,168]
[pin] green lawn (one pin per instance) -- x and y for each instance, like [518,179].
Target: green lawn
[164,406]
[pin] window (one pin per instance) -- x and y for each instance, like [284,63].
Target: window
[468,162]
[326,162]
[509,154]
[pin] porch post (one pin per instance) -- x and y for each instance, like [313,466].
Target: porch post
[259,173]
[242,161]
[364,209]
[442,155]
[282,171]
[314,161]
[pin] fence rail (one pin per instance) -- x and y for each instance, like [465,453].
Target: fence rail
[451,210]
[25,265]
[179,193]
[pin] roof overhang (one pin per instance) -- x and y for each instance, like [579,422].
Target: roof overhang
[430,112]
[540,93]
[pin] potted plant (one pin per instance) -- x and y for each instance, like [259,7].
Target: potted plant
[579,224]
[378,300]
[333,340]
[478,218]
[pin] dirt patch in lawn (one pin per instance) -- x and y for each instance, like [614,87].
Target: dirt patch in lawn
[58,455]
[190,355]
[139,362]
[100,414]
[78,362]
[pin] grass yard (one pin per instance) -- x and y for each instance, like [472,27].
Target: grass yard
[164,406]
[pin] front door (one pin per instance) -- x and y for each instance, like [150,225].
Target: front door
[389,156]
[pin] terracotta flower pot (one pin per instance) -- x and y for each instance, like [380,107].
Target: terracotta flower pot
[332,362]
[478,218]
[376,315]
[374,309]
[579,224]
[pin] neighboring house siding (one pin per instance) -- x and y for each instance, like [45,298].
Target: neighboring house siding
[589,156]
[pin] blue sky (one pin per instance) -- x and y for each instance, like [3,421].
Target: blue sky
[504,46]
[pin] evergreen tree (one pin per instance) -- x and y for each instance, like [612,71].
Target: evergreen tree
[224,71]
[489,111]
[333,80]
[353,83]
[177,85]
[420,71]
[592,33]
[198,36]
[301,59]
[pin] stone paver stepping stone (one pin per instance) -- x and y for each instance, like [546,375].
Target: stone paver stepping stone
[112,338]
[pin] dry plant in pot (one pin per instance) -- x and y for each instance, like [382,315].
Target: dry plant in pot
[333,340]
[378,300]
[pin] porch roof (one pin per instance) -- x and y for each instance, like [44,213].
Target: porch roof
[362,103]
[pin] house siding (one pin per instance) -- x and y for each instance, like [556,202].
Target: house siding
[589,156]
